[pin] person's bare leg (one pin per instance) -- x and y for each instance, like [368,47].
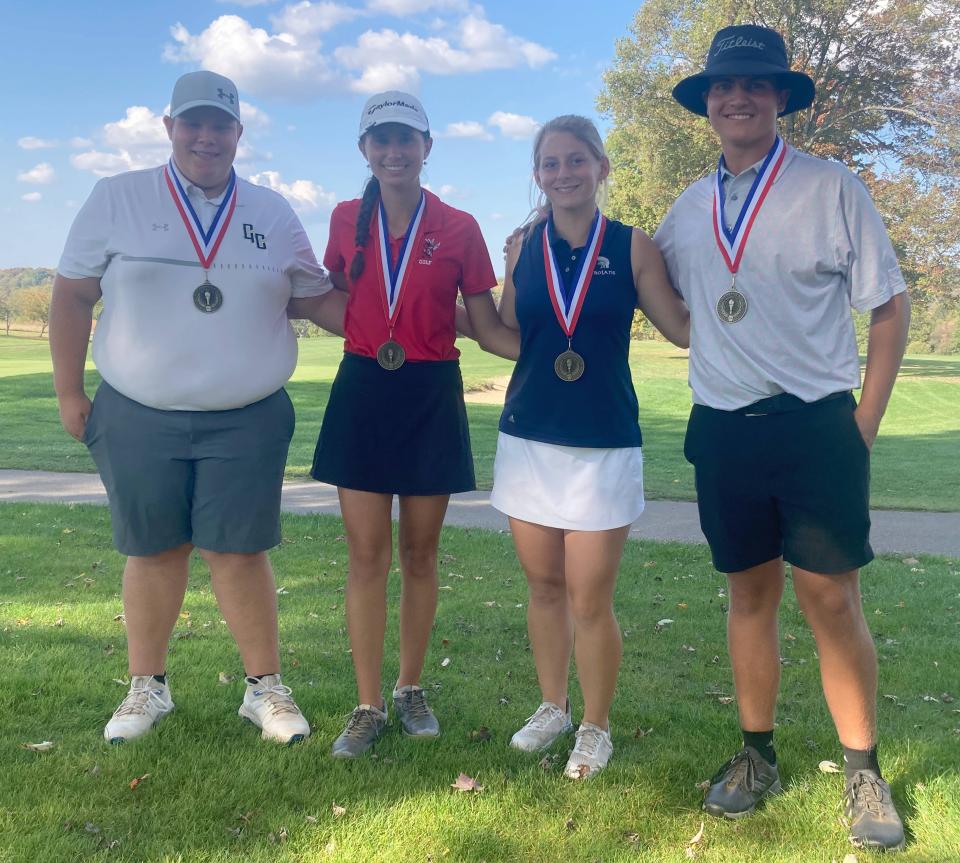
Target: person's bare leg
[153,590]
[421,518]
[366,519]
[754,643]
[540,551]
[848,660]
[246,593]
[592,561]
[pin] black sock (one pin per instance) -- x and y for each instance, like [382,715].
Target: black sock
[160,678]
[257,677]
[860,759]
[762,741]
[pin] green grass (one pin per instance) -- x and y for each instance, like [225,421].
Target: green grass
[913,459]
[216,792]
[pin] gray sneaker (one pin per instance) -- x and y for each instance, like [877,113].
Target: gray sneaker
[741,784]
[543,728]
[874,822]
[365,725]
[415,715]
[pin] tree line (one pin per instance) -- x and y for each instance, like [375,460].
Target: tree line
[887,106]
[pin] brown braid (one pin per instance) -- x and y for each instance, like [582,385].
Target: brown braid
[371,194]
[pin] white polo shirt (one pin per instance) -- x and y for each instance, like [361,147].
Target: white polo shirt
[151,342]
[818,246]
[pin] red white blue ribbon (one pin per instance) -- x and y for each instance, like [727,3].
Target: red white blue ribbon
[394,277]
[567,305]
[732,242]
[206,243]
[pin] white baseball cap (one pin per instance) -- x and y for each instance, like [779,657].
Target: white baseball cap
[198,89]
[393,106]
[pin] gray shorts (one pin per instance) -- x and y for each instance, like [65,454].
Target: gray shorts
[210,478]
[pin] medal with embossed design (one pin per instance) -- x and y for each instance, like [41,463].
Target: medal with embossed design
[567,299]
[732,306]
[391,355]
[208,297]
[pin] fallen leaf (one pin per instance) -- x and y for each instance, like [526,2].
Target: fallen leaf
[282,591]
[481,734]
[44,746]
[641,733]
[446,662]
[570,824]
[662,624]
[223,678]
[828,767]
[704,786]
[931,698]
[311,819]
[697,837]
[725,699]
[583,770]
[681,605]
[330,847]
[339,811]
[466,783]
[947,698]
[135,782]
[58,622]
[850,858]
[120,681]
[120,617]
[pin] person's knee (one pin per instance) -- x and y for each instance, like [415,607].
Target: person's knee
[587,608]
[754,600]
[175,556]
[546,588]
[833,600]
[223,560]
[417,560]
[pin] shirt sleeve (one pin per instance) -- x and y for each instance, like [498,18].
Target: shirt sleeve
[865,254]
[307,277]
[476,274]
[333,258]
[87,250]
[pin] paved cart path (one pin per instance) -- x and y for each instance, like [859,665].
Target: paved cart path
[898,532]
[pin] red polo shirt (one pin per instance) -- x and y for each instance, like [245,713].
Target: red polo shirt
[449,256]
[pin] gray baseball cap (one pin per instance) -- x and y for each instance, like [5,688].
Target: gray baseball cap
[394,106]
[197,89]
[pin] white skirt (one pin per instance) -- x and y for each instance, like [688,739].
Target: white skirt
[570,487]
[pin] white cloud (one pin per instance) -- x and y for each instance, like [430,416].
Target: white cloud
[387,76]
[31,197]
[303,195]
[307,19]
[259,62]
[480,46]
[28,142]
[447,190]
[517,126]
[40,174]
[401,8]
[80,143]
[466,129]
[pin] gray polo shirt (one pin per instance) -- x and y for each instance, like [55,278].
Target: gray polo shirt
[818,246]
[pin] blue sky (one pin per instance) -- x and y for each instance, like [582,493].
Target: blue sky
[86,84]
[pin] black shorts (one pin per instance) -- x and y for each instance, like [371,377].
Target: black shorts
[793,482]
[396,432]
[210,478]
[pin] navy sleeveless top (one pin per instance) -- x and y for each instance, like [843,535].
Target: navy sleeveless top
[600,408]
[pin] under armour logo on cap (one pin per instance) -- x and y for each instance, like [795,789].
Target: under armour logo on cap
[204,89]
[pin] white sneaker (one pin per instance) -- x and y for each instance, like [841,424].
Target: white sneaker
[543,728]
[147,702]
[269,705]
[591,752]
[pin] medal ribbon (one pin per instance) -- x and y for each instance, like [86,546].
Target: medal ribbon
[567,308]
[732,243]
[394,277]
[206,243]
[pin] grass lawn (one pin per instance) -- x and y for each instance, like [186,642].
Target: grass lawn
[913,460]
[216,792]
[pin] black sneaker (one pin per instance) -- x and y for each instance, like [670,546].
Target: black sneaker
[741,784]
[365,725]
[874,822]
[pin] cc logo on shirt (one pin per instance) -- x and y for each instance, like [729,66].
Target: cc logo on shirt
[249,233]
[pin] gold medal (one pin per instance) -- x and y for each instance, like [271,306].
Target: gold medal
[391,355]
[569,366]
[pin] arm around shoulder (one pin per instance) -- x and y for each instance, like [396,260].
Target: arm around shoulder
[656,297]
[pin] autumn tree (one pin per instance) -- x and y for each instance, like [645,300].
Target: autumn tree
[888,106]
[33,304]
